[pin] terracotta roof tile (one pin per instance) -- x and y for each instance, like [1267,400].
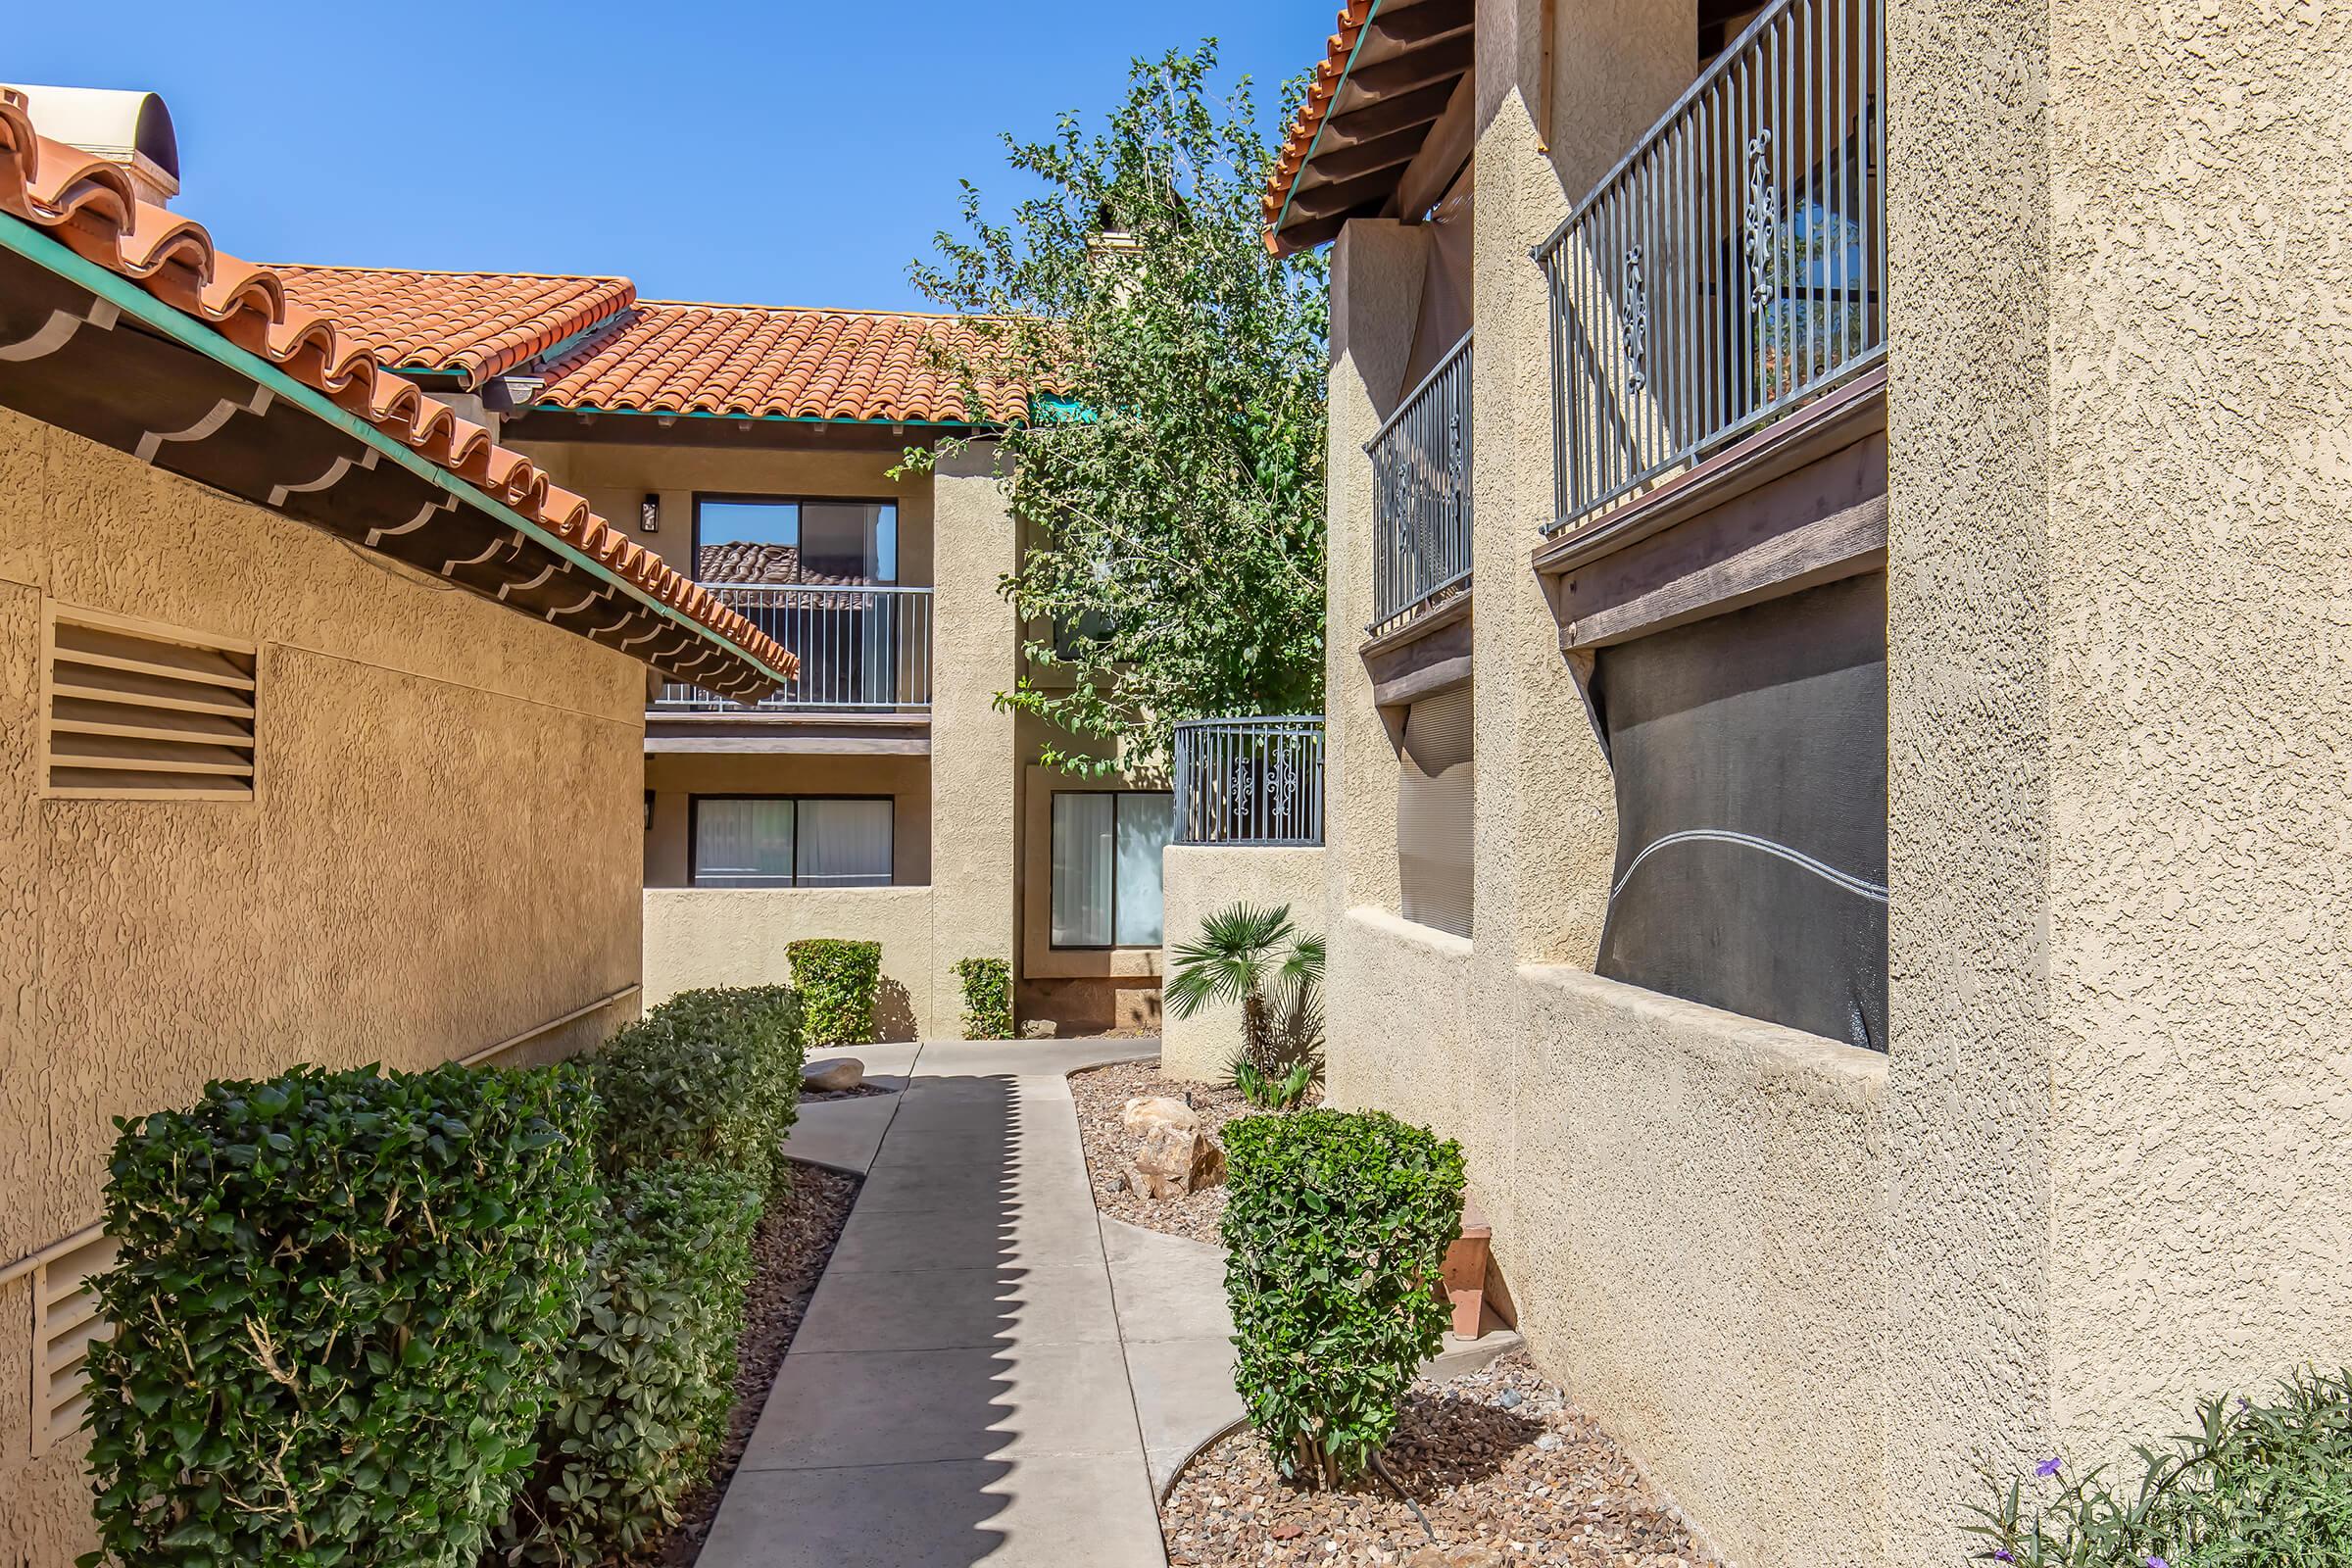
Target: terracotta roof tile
[476,324]
[88,204]
[1298,138]
[672,357]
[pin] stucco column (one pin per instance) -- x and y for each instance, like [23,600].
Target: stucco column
[976,649]
[1377,269]
[2117,601]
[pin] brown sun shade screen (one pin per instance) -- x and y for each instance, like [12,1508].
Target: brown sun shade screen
[1434,813]
[1750,758]
[139,712]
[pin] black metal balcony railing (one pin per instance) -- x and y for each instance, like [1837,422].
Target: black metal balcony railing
[1731,266]
[1421,496]
[862,649]
[1249,780]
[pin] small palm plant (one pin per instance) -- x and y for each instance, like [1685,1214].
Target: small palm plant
[1252,955]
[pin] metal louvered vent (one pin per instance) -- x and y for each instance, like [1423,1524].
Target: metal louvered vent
[64,1324]
[139,712]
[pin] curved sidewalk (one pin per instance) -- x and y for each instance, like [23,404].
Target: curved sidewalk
[959,1392]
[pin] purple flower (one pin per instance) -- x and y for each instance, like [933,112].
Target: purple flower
[2001,1554]
[2047,1469]
[2158,1562]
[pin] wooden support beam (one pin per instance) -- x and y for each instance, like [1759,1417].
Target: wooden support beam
[1392,151]
[1392,33]
[1438,62]
[1356,127]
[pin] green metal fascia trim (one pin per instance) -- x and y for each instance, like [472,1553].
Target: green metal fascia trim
[1353,49]
[134,301]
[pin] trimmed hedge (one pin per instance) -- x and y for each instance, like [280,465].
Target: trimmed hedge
[645,1384]
[1338,1224]
[711,1076]
[335,1301]
[987,997]
[837,982]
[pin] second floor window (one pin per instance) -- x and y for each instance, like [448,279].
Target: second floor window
[777,539]
[767,841]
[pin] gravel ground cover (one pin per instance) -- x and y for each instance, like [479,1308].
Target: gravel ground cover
[1101,1092]
[1510,1474]
[794,1241]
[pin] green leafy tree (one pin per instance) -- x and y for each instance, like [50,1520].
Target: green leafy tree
[1171,465]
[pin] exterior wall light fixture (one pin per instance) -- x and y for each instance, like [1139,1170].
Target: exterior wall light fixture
[649,514]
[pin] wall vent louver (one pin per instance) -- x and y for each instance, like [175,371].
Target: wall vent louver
[133,711]
[65,1322]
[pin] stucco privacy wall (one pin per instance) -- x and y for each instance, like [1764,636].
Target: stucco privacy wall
[737,936]
[439,856]
[1197,881]
[2119,476]
[1684,1202]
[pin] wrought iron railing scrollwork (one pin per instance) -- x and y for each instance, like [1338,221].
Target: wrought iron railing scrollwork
[1731,266]
[1249,780]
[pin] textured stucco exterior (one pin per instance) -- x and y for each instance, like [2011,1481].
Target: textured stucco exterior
[1198,880]
[2118,475]
[438,855]
[737,936]
[2100,1171]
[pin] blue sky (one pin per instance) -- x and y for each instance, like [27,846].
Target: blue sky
[791,152]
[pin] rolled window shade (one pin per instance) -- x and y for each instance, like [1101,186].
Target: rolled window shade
[1435,808]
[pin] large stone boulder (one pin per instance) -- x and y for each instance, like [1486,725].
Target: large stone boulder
[1146,1112]
[1174,1161]
[832,1077]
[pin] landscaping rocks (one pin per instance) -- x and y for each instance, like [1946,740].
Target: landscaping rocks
[1497,1495]
[1146,1112]
[834,1076]
[1101,1095]
[1174,1161]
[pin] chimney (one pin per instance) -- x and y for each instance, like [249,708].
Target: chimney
[133,129]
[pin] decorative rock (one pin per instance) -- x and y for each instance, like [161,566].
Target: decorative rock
[831,1077]
[1175,1160]
[1038,1028]
[1146,1112]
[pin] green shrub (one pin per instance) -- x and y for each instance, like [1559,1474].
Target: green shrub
[1251,954]
[335,1303]
[644,1387]
[710,1076]
[987,997]
[837,982]
[1338,1224]
[2256,1486]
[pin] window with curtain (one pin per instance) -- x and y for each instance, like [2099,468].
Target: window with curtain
[1434,813]
[1105,881]
[762,842]
[777,539]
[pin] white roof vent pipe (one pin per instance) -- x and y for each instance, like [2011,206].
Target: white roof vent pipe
[129,129]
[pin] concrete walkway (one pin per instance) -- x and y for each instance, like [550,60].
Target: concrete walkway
[958,1391]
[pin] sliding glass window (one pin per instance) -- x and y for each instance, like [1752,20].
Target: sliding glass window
[742,841]
[779,539]
[1106,866]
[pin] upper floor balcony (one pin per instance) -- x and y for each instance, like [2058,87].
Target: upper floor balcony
[1421,508]
[1249,780]
[864,650]
[1730,269]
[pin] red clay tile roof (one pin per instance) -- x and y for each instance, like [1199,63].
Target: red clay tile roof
[88,204]
[753,359]
[479,324]
[657,355]
[1299,139]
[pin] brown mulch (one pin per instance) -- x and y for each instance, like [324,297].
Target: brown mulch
[788,1252]
[1510,1474]
[1101,1092]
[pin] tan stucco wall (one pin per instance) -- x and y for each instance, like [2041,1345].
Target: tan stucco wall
[1684,1202]
[677,777]
[2118,475]
[1200,880]
[737,936]
[440,853]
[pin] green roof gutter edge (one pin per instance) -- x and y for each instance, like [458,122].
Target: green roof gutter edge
[1353,49]
[30,242]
